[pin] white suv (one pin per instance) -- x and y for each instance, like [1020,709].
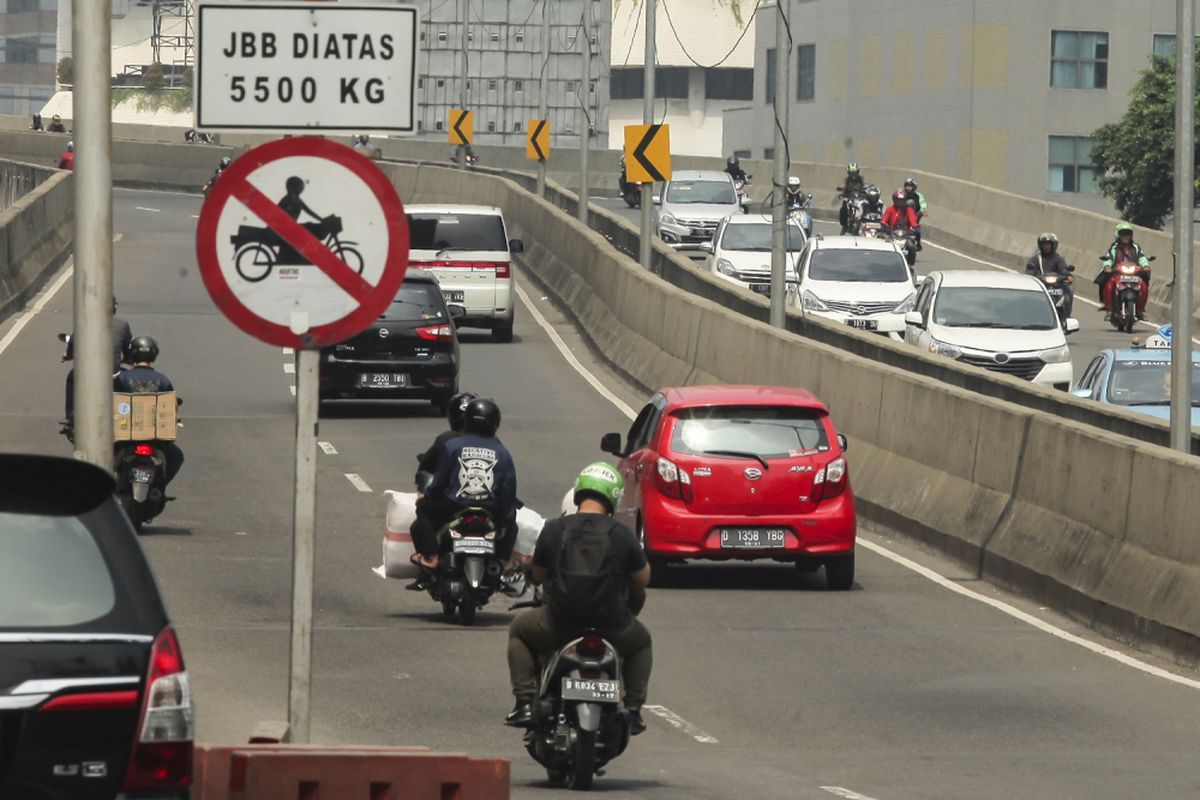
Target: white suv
[996,320]
[858,281]
[740,251]
[468,249]
[691,206]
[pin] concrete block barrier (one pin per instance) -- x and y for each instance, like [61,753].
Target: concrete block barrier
[35,232]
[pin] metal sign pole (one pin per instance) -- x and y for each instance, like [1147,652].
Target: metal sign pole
[543,90]
[303,545]
[1185,158]
[646,247]
[585,142]
[779,217]
[466,10]
[92,116]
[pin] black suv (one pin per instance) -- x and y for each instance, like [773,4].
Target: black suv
[411,351]
[94,699]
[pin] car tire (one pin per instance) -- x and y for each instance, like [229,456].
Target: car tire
[658,566]
[839,573]
[503,332]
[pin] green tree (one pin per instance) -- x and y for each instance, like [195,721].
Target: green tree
[152,77]
[1136,155]
[66,70]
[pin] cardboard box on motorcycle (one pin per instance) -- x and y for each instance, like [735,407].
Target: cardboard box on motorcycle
[144,417]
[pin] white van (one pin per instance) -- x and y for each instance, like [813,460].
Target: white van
[468,249]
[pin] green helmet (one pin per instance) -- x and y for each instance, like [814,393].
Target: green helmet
[601,481]
[1123,227]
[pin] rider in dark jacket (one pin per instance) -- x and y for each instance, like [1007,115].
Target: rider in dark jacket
[1047,261]
[143,378]
[733,167]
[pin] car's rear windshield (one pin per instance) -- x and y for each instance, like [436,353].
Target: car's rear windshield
[714,192]
[52,574]
[416,301]
[1146,383]
[994,307]
[757,238]
[760,431]
[456,232]
[858,266]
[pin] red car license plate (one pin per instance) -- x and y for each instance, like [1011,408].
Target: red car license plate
[753,538]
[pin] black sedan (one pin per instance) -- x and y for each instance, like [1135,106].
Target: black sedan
[94,699]
[411,351]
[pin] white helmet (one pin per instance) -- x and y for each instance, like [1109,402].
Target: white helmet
[793,183]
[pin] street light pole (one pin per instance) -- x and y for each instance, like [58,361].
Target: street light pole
[543,92]
[462,99]
[646,247]
[92,118]
[779,216]
[1185,158]
[585,88]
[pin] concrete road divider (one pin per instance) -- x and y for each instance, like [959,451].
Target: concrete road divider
[35,230]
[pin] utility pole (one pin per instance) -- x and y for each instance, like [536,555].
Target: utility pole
[646,247]
[92,40]
[1185,166]
[543,91]
[464,16]
[585,88]
[779,216]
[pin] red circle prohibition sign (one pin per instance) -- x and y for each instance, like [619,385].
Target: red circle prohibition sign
[372,299]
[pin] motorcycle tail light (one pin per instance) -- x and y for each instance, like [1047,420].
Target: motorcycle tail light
[143,450]
[591,644]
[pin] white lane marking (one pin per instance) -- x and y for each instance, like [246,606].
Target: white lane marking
[999,605]
[329,449]
[1029,619]
[681,724]
[239,533]
[293,388]
[154,210]
[621,405]
[289,367]
[194,216]
[846,793]
[287,351]
[35,309]
[358,482]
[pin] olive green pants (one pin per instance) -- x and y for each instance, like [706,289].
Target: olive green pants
[531,634]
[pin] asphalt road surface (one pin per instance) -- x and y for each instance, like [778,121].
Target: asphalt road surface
[765,685]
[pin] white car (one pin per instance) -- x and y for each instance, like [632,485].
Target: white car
[740,251]
[858,281]
[996,320]
[691,206]
[468,249]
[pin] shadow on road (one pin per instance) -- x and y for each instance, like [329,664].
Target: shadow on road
[604,785]
[377,409]
[483,619]
[159,530]
[770,577]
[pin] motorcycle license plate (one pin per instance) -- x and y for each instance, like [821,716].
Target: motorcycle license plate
[591,690]
[383,380]
[753,538]
[1129,279]
[863,324]
[142,474]
[453,295]
[1055,292]
[474,547]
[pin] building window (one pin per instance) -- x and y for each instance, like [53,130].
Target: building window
[518,86]
[420,125]
[769,153]
[519,37]
[1078,60]
[729,83]
[742,153]
[441,82]
[21,6]
[495,37]
[20,51]
[441,36]
[570,87]
[422,36]
[491,127]
[592,87]
[491,86]
[625,83]
[806,71]
[1070,165]
[420,83]
[516,127]
[437,126]
[1164,44]
[569,127]
[770,75]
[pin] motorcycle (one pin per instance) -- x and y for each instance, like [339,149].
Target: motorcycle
[743,193]
[1129,278]
[578,723]
[1056,287]
[141,481]
[799,212]
[906,240]
[631,192]
[851,201]
[870,225]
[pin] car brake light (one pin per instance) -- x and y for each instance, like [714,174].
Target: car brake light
[93,701]
[592,644]
[674,482]
[503,270]
[162,752]
[143,450]
[436,333]
[830,481]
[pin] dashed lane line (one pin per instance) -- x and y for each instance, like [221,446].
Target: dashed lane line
[328,448]
[946,583]
[293,388]
[153,210]
[846,793]
[357,482]
[289,367]
[680,724]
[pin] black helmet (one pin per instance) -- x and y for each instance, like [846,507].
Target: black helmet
[482,416]
[872,192]
[732,161]
[143,348]
[456,409]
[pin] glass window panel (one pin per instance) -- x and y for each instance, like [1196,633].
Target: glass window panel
[1097,78]
[1062,150]
[770,76]
[1064,44]
[1083,150]
[1054,179]
[1089,180]
[1064,74]
[1094,45]
[1164,44]
[806,57]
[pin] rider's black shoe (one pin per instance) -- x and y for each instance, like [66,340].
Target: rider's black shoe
[636,723]
[416,586]
[521,716]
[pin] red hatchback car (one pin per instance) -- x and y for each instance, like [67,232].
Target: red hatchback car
[739,472]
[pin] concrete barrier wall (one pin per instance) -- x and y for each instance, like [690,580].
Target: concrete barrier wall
[35,231]
[1097,524]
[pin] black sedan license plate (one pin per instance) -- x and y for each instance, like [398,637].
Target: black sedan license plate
[591,690]
[453,295]
[753,538]
[863,324]
[383,380]
[761,288]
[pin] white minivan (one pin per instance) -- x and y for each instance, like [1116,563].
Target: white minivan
[468,249]
[1002,322]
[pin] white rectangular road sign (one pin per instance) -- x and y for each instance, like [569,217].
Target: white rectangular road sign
[319,67]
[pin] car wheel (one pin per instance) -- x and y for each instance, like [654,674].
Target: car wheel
[658,566]
[839,573]
[503,332]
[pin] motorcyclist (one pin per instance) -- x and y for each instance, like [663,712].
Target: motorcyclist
[189,136]
[871,209]
[67,159]
[916,200]
[1123,250]
[794,194]
[622,180]
[122,337]
[540,630]
[143,378]
[474,470]
[733,168]
[852,185]
[899,214]
[1047,261]
[362,142]
[56,125]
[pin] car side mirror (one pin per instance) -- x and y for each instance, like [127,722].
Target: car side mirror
[707,247]
[611,443]
[1071,326]
[656,199]
[843,442]
[915,319]
[1085,394]
[516,246]
[456,311]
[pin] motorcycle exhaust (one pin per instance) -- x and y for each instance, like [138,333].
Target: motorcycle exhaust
[494,568]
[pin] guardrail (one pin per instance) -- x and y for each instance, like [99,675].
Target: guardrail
[36,229]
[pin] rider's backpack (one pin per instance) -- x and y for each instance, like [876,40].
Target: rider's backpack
[587,589]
